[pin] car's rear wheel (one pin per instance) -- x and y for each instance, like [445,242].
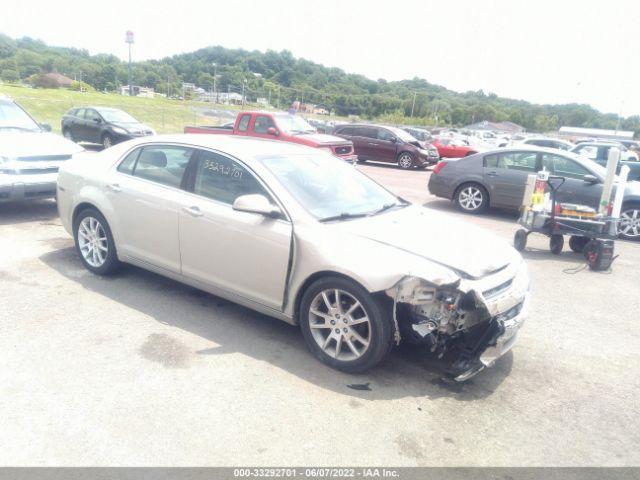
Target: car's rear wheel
[107,141]
[344,326]
[472,198]
[405,160]
[629,224]
[94,242]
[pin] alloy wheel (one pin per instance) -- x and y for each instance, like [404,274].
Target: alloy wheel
[629,224]
[106,141]
[405,161]
[93,243]
[340,325]
[470,198]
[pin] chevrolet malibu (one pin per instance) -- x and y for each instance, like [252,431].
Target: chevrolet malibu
[297,234]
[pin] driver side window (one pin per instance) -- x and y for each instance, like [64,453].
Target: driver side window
[222,179]
[563,167]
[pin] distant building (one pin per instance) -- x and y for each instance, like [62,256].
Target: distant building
[145,92]
[61,80]
[504,127]
[321,110]
[262,101]
[598,133]
[229,98]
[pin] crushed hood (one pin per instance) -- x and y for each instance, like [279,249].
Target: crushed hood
[456,244]
[35,144]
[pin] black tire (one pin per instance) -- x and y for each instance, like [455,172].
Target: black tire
[380,324]
[465,205]
[577,243]
[405,160]
[361,160]
[556,244]
[520,240]
[107,141]
[633,226]
[111,263]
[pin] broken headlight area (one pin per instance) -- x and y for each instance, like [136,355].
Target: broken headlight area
[454,327]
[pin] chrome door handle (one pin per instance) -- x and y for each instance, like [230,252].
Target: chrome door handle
[193,211]
[114,187]
[373,144]
[492,174]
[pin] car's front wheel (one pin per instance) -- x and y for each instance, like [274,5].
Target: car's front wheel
[94,242]
[405,160]
[472,198]
[629,223]
[107,141]
[344,326]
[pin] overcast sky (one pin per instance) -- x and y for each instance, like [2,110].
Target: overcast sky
[541,51]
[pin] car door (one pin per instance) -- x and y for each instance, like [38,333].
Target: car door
[93,126]
[243,253]
[505,176]
[365,142]
[78,125]
[243,125]
[387,145]
[574,189]
[261,124]
[146,196]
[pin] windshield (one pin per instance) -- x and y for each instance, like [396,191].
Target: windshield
[327,187]
[117,116]
[402,135]
[14,117]
[292,124]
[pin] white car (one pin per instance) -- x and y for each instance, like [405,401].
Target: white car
[30,155]
[296,233]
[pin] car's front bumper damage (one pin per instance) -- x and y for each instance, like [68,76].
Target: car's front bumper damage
[465,326]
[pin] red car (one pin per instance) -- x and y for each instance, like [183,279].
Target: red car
[452,148]
[284,127]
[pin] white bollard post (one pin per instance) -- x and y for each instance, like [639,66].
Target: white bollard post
[617,201]
[612,165]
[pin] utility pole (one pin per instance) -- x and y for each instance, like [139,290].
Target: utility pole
[269,100]
[129,40]
[244,82]
[278,101]
[215,74]
[413,105]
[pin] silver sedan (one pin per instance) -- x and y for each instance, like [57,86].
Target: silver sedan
[296,233]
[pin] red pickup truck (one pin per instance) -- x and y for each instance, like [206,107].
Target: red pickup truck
[284,127]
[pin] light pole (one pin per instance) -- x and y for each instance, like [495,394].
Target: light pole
[129,40]
[244,82]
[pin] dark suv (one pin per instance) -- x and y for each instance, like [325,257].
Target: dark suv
[103,125]
[386,144]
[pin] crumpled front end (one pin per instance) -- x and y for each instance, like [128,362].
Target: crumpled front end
[465,325]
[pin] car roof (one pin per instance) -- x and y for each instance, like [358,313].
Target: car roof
[238,146]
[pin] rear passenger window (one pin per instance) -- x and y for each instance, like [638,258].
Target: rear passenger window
[163,164]
[243,125]
[129,162]
[366,132]
[79,113]
[523,161]
[346,131]
[222,179]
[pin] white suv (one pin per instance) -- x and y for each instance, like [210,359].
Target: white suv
[29,155]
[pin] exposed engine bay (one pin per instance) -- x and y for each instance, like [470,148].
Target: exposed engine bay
[457,326]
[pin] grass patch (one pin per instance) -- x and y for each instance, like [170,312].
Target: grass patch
[163,115]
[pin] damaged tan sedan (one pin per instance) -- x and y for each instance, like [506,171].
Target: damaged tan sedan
[300,235]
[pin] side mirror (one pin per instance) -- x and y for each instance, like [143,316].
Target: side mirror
[46,127]
[97,120]
[272,131]
[393,140]
[255,203]
[591,179]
